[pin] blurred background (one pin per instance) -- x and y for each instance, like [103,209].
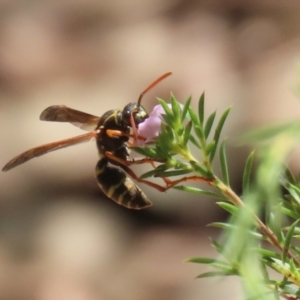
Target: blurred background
[60,238]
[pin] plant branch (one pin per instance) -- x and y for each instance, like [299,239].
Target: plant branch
[237,201]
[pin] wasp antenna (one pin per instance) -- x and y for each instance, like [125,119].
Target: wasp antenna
[152,85]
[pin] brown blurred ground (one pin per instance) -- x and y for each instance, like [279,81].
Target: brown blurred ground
[59,237]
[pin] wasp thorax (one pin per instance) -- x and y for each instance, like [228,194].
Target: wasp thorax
[138,112]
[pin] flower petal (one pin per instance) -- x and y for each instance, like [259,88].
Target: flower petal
[150,128]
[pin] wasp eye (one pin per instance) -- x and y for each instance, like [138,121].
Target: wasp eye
[127,111]
[140,118]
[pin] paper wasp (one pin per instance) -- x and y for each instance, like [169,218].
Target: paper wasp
[112,132]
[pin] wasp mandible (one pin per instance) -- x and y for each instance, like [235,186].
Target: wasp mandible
[112,132]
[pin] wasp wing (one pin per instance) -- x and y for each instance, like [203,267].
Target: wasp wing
[41,150]
[62,113]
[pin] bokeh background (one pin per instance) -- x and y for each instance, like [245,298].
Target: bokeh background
[60,238]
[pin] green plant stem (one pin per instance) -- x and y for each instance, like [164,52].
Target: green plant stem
[237,201]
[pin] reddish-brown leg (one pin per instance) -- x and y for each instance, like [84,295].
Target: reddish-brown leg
[170,183]
[124,164]
[134,129]
[165,179]
[130,162]
[116,133]
[138,179]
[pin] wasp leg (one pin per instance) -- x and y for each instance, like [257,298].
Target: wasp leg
[120,158]
[165,179]
[119,187]
[117,133]
[137,178]
[134,128]
[127,162]
[124,163]
[169,183]
[172,183]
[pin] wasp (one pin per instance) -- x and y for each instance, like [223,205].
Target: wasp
[112,132]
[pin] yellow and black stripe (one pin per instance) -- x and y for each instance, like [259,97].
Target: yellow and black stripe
[115,183]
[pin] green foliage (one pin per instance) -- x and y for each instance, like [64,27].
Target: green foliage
[250,245]
[224,165]
[247,173]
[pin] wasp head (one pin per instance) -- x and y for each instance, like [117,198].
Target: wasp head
[138,113]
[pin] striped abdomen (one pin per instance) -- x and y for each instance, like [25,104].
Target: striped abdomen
[119,187]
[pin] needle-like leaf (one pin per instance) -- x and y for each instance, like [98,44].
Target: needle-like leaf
[201,108]
[209,123]
[186,108]
[199,191]
[223,162]
[247,173]
[288,239]
[218,130]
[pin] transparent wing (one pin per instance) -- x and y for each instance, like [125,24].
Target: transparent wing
[62,113]
[41,150]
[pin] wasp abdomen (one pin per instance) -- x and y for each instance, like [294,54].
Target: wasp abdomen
[119,187]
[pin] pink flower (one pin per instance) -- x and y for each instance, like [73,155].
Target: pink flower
[150,128]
